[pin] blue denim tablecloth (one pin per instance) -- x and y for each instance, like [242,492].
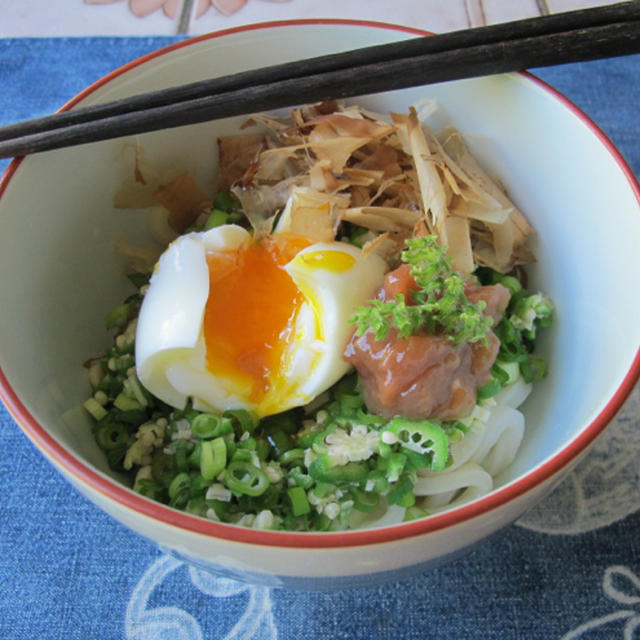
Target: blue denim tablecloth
[68,571]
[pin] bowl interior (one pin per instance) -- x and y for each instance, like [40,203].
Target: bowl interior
[61,273]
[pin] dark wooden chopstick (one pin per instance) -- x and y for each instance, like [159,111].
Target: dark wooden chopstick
[574,36]
[503,32]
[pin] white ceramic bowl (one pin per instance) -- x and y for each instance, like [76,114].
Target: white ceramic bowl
[60,275]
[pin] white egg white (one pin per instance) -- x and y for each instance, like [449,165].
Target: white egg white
[334,278]
[332,295]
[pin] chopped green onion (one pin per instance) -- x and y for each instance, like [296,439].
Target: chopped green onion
[500,374]
[243,478]
[292,455]
[241,419]
[533,369]
[163,468]
[364,501]
[133,383]
[125,403]
[376,482]
[199,485]
[511,283]
[489,390]
[138,279]
[299,503]
[194,456]
[196,506]
[300,478]
[213,457]
[263,449]
[95,408]
[511,369]
[210,425]
[149,489]
[321,469]
[416,461]
[110,385]
[216,218]
[321,522]
[287,421]
[134,417]
[226,201]
[408,499]
[414,513]
[112,435]
[402,493]
[279,441]
[179,485]
[182,449]
[118,317]
[359,236]
[395,466]
[323,489]
[247,443]
[124,362]
[242,455]
[221,509]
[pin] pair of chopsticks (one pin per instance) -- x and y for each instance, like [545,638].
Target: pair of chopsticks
[573,36]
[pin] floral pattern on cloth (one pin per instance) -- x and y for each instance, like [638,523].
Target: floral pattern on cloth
[143,621]
[603,488]
[623,586]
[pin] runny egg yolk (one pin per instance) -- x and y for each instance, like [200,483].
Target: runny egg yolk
[250,312]
[333,261]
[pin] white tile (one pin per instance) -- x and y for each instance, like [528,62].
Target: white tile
[570,5]
[115,17]
[475,13]
[434,15]
[505,10]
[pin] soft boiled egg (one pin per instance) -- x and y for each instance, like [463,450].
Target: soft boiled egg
[232,322]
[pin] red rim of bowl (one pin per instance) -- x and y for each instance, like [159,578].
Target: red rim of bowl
[143,506]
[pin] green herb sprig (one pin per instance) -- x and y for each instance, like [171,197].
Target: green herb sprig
[440,304]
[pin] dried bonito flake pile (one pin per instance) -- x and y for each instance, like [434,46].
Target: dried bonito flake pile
[332,163]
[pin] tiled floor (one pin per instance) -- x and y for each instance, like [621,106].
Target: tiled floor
[164,17]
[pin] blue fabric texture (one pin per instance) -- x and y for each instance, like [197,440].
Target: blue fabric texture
[68,571]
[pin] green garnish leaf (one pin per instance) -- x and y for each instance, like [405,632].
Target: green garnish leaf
[440,304]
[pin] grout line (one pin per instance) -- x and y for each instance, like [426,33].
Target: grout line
[543,7]
[475,13]
[184,21]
